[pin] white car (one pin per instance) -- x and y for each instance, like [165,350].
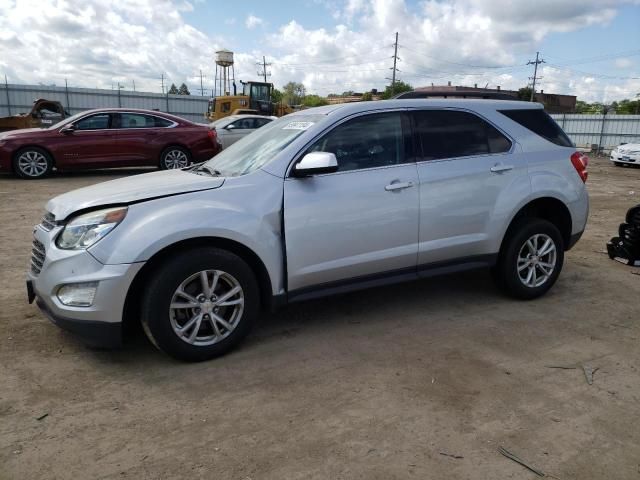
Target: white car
[628,153]
[234,127]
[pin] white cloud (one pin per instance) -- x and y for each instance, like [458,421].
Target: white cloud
[252,21]
[623,63]
[95,43]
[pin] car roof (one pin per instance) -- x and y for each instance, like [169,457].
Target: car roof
[137,110]
[469,104]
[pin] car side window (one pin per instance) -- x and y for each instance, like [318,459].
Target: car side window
[161,122]
[136,120]
[368,141]
[451,134]
[260,122]
[99,121]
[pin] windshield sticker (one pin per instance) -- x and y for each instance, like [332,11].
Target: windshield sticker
[297,125]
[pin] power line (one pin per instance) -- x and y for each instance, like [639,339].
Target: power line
[535,73]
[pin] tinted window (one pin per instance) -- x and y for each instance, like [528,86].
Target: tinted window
[540,123]
[244,123]
[161,122]
[136,120]
[93,122]
[262,121]
[365,142]
[450,134]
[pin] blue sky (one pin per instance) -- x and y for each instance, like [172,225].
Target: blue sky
[592,47]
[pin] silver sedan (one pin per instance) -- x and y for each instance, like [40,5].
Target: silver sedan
[234,127]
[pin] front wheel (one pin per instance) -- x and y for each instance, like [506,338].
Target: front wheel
[174,157]
[200,304]
[531,259]
[618,164]
[32,163]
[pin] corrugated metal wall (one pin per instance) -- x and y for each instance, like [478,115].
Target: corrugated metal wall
[19,98]
[606,131]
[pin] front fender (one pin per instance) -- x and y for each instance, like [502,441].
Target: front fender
[150,227]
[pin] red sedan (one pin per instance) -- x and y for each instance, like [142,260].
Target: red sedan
[115,137]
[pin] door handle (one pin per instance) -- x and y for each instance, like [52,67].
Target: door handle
[501,167]
[398,186]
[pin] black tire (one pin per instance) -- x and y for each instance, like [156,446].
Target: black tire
[506,274]
[174,157]
[32,163]
[618,164]
[157,317]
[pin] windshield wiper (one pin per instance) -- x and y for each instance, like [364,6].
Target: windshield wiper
[210,170]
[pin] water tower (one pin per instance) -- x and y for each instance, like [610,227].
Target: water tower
[225,74]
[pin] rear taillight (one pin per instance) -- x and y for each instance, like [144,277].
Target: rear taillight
[580,162]
[212,134]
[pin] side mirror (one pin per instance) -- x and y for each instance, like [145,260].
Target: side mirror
[315,163]
[68,128]
[231,126]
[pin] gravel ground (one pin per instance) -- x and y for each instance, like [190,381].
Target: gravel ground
[419,380]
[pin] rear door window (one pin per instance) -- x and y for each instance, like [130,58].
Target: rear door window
[540,123]
[136,120]
[451,134]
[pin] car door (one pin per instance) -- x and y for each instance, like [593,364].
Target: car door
[89,144]
[362,220]
[138,137]
[464,165]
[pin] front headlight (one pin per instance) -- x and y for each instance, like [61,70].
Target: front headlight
[85,230]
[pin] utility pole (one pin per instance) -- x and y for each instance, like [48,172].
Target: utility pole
[201,86]
[162,80]
[395,59]
[535,74]
[134,85]
[264,65]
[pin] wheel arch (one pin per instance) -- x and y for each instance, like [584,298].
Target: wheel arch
[14,154]
[546,208]
[131,309]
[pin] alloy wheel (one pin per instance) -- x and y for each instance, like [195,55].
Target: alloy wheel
[176,159]
[32,163]
[206,307]
[537,260]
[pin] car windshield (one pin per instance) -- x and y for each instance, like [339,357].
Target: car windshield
[257,149]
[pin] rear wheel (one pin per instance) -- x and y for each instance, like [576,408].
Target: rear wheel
[531,259]
[200,304]
[32,163]
[174,157]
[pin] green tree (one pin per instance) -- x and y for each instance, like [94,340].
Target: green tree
[173,90]
[524,93]
[276,95]
[314,101]
[183,90]
[399,87]
[367,96]
[293,93]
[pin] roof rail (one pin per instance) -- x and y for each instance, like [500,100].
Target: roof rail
[456,94]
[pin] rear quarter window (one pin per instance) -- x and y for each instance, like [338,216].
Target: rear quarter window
[540,123]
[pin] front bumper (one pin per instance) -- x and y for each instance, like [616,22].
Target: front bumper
[99,324]
[631,159]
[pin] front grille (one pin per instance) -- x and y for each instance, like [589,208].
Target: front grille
[48,221]
[38,254]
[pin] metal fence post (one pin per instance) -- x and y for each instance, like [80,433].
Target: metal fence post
[604,118]
[6,86]
[167,97]
[66,91]
[564,119]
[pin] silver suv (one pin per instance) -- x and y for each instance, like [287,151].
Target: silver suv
[319,202]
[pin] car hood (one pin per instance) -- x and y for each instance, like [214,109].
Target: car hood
[131,190]
[629,147]
[21,132]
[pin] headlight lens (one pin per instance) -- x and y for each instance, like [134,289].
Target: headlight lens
[85,230]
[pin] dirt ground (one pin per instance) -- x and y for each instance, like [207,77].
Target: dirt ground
[420,380]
